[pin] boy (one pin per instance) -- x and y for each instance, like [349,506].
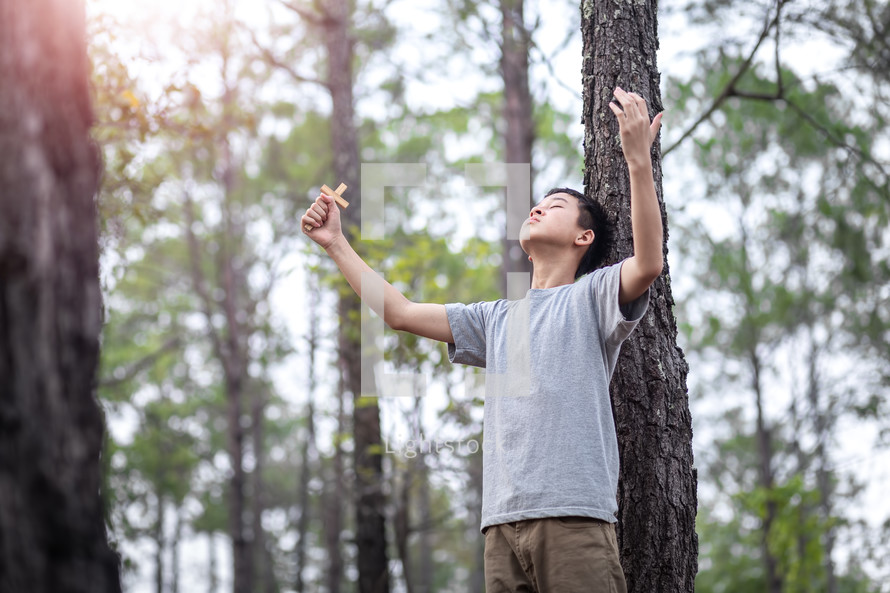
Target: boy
[550,461]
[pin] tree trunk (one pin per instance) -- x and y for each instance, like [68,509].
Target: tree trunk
[160,546]
[309,448]
[520,126]
[333,506]
[372,562]
[52,528]
[657,484]
[211,552]
[303,499]
[227,352]
[52,534]
[763,434]
[765,478]
[263,579]
[174,552]
[425,547]
[822,427]
[402,526]
[233,351]
[229,346]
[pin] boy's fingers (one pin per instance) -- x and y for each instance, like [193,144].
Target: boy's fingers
[308,221]
[656,125]
[318,210]
[626,99]
[617,111]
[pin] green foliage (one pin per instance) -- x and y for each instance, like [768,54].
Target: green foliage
[731,535]
[789,265]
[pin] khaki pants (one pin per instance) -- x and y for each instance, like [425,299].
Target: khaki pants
[560,555]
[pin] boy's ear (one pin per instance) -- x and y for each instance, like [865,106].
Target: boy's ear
[585,238]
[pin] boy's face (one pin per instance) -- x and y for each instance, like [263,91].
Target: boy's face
[554,221]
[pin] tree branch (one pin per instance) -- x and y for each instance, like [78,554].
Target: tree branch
[756,96]
[780,90]
[730,86]
[841,143]
[274,61]
[140,365]
[309,17]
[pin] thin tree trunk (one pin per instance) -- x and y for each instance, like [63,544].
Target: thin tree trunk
[334,19]
[52,521]
[261,568]
[308,451]
[333,527]
[372,562]
[425,549]
[763,434]
[235,365]
[765,474]
[174,553]
[333,507]
[520,125]
[211,552]
[822,428]
[657,484]
[160,546]
[402,526]
[800,458]
[303,498]
[227,353]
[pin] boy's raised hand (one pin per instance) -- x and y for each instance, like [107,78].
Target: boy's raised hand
[324,218]
[637,134]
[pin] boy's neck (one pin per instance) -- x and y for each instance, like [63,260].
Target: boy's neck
[553,273]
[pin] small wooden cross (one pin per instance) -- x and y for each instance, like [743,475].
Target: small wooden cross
[338,197]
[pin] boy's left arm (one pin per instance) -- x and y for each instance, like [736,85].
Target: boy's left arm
[637,135]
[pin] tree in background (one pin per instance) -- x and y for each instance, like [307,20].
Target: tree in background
[334,25]
[787,302]
[52,529]
[657,486]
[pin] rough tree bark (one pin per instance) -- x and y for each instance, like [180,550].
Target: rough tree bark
[657,485]
[52,529]
[519,134]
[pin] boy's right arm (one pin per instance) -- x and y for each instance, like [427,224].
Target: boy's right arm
[423,319]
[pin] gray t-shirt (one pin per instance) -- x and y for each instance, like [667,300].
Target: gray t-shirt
[549,444]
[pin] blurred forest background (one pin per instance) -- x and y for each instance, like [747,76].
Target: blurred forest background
[231,434]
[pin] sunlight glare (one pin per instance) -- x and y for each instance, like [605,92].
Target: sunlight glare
[181,12]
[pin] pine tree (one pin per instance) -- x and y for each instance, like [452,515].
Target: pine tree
[657,485]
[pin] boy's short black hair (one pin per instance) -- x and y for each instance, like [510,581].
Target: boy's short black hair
[592,217]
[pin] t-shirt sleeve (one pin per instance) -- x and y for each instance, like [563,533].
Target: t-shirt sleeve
[616,321]
[468,328]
